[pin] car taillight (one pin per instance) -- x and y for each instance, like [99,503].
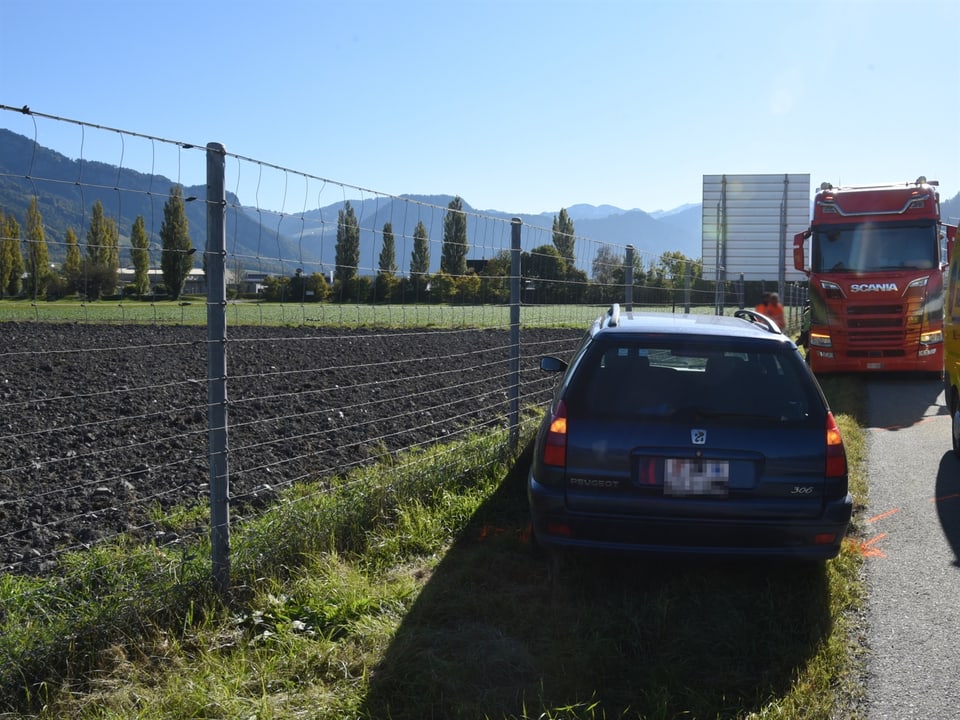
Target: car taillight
[836,455]
[555,446]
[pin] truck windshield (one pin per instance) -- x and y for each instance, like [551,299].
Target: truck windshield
[874,246]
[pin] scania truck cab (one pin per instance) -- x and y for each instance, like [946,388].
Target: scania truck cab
[876,266]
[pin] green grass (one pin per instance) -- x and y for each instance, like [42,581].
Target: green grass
[410,590]
[193,311]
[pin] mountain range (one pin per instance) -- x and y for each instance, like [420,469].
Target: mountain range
[67,189]
[487,231]
[260,240]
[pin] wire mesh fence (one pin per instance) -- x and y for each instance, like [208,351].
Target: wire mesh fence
[357,325]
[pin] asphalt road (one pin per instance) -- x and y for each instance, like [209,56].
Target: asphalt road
[913,554]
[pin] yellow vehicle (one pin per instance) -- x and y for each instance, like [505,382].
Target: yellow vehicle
[951,338]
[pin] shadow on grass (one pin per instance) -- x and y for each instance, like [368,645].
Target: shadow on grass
[490,636]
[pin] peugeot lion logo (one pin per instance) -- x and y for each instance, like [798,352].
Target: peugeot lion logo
[698,436]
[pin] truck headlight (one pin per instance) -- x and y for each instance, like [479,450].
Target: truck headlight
[818,340]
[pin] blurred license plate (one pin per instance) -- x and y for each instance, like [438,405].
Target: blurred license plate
[695,477]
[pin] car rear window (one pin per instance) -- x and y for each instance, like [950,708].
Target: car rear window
[694,381]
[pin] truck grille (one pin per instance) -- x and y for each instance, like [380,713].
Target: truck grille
[875,330]
[881,330]
[875,310]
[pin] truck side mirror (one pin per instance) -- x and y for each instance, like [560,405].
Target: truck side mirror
[799,254]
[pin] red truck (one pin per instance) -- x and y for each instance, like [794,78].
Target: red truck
[876,266]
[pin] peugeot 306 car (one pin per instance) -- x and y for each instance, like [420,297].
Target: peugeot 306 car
[691,434]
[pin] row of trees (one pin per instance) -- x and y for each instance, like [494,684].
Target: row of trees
[453,259]
[25,261]
[549,271]
[546,279]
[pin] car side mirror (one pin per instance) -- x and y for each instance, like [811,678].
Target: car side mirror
[552,364]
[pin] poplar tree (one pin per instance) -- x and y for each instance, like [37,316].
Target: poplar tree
[348,245]
[453,252]
[176,257]
[420,257]
[140,256]
[37,255]
[72,264]
[11,256]
[388,257]
[563,236]
[103,253]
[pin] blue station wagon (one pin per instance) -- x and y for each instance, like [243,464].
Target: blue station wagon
[694,434]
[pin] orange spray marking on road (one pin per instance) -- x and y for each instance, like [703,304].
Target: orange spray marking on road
[883,515]
[944,497]
[868,550]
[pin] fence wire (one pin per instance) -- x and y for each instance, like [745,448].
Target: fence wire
[340,351]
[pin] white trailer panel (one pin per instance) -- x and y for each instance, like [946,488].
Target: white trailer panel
[748,225]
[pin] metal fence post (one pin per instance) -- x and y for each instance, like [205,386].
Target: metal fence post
[216,256]
[516,224]
[628,279]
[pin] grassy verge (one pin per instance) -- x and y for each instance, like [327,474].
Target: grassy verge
[410,590]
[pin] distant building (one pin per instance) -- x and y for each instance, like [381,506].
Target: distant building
[253,282]
[194,284]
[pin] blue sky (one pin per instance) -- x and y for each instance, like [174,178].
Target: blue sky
[522,106]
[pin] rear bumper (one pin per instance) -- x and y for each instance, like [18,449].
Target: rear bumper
[555,527]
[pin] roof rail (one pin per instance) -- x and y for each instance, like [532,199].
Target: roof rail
[758,319]
[614,313]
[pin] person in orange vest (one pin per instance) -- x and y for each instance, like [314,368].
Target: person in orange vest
[762,305]
[774,310]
